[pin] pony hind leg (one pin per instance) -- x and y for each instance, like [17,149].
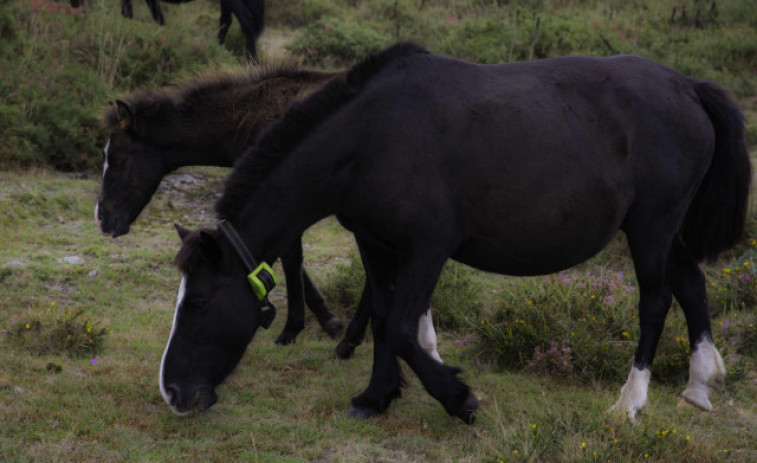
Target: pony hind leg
[655,296]
[706,369]
[355,332]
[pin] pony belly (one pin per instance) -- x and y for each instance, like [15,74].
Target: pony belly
[522,259]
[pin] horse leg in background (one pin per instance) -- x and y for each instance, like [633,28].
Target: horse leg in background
[706,369]
[224,21]
[157,12]
[126,10]
[317,304]
[251,16]
[386,377]
[649,253]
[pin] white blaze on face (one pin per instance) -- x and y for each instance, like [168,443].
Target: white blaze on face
[633,395]
[706,374]
[105,169]
[427,336]
[179,300]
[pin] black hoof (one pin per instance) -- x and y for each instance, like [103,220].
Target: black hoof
[360,413]
[344,350]
[333,327]
[468,410]
[285,339]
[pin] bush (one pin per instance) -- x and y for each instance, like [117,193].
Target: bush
[56,332]
[334,42]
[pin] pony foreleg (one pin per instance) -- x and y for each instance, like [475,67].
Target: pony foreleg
[386,377]
[633,394]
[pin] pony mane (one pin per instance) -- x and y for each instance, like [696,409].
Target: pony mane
[157,103]
[302,118]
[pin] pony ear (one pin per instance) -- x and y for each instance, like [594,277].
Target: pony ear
[183,232]
[125,115]
[210,247]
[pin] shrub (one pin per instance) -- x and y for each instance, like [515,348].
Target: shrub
[335,42]
[56,332]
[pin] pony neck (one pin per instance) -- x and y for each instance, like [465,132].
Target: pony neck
[220,129]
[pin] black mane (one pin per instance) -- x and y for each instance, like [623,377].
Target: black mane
[156,104]
[300,120]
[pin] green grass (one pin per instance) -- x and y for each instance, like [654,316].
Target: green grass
[282,403]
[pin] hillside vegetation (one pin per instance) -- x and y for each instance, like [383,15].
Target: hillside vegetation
[59,66]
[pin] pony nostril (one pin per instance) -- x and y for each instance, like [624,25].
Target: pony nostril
[173,392]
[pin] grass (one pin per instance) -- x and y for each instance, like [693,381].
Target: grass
[283,403]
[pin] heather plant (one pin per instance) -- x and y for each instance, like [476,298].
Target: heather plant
[569,324]
[57,332]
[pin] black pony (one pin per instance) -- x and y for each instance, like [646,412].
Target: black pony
[251,15]
[521,169]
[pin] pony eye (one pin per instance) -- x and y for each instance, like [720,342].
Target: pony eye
[198,305]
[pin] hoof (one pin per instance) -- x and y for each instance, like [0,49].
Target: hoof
[692,400]
[285,339]
[468,410]
[360,413]
[333,327]
[683,403]
[344,350]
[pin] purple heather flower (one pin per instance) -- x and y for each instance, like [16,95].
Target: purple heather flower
[93,361]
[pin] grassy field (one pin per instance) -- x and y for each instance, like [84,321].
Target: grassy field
[283,403]
[84,318]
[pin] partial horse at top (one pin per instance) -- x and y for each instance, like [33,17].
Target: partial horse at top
[250,13]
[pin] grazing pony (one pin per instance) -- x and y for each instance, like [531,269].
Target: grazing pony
[521,169]
[251,15]
[211,121]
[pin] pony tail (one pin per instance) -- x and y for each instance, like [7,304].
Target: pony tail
[716,217]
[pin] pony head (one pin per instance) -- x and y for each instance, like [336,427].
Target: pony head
[217,315]
[132,171]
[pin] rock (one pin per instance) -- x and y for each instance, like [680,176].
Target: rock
[13,264]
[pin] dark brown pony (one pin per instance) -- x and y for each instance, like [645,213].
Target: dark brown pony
[207,121]
[521,169]
[250,13]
